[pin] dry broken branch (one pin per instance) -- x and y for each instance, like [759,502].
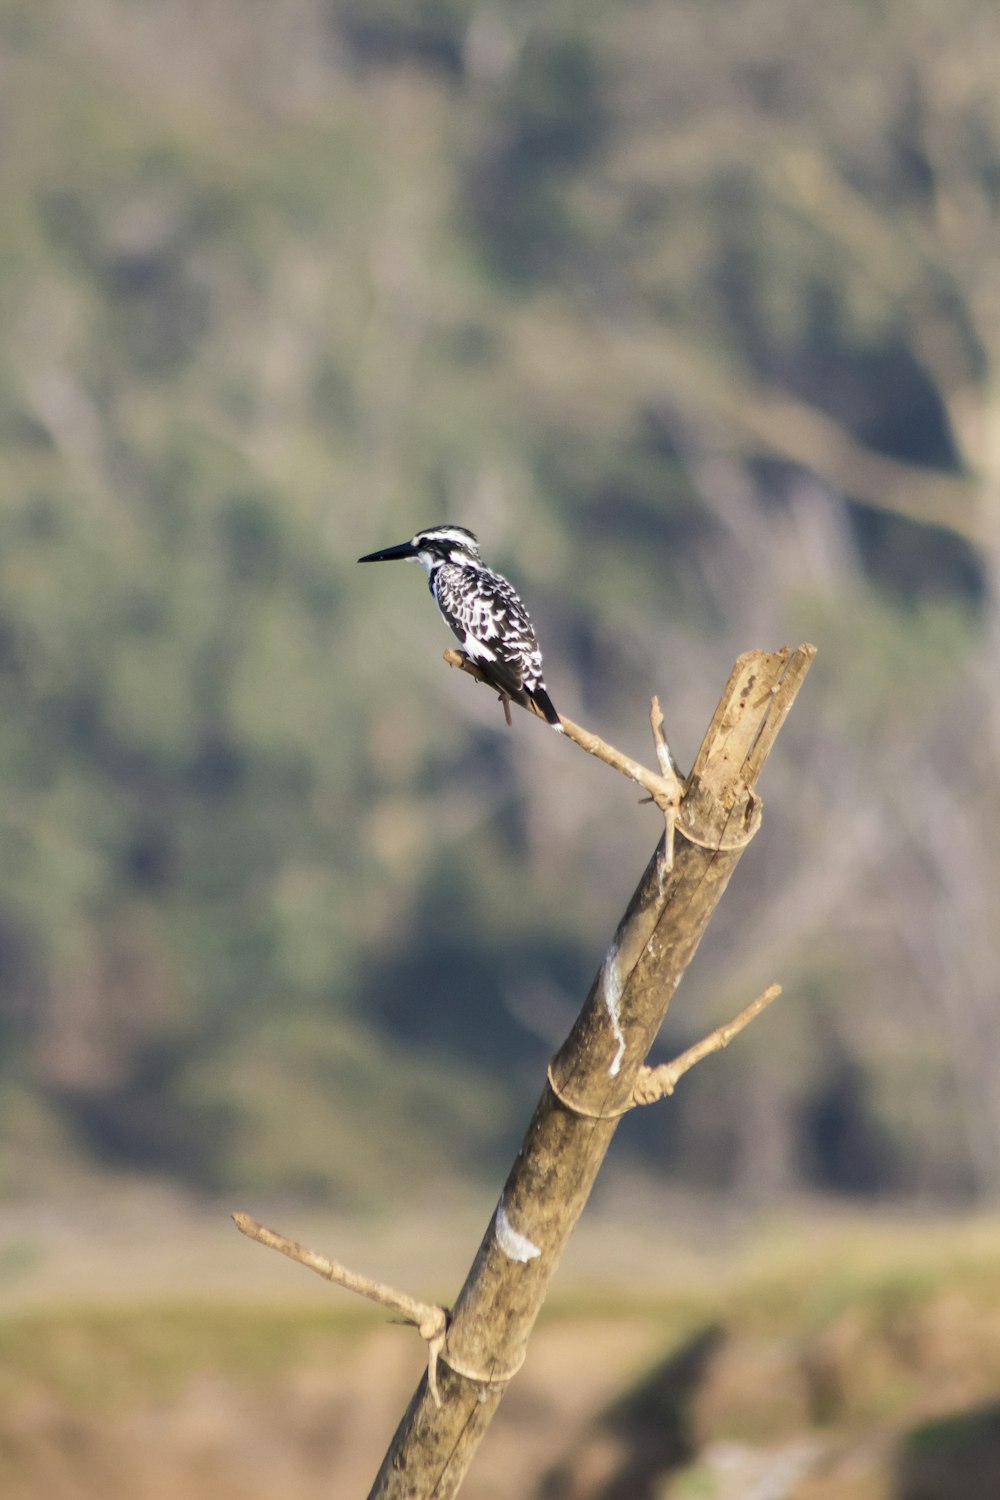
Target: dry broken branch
[430,1320]
[664,788]
[656,1083]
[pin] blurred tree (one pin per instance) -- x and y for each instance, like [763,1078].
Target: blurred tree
[691,311]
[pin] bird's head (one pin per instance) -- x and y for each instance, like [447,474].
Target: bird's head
[431,547]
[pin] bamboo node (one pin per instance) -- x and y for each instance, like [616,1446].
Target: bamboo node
[493,1381]
[740,827]
[581,1109]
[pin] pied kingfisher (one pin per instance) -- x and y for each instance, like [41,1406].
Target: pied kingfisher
[482,609]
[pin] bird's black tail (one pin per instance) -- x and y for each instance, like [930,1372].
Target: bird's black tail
[539,696]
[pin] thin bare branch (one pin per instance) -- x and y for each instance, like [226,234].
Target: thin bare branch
[668,770]
[430,1320]
[668,766]
[662,789]
[656,1083]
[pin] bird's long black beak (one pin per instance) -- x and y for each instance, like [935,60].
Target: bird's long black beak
[390,554]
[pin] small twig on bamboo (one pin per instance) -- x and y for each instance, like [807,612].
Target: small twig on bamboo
[656,1083]
[430,1320]
[665,789]
[670,802]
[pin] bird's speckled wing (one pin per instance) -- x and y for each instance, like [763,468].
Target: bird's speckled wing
[491,623]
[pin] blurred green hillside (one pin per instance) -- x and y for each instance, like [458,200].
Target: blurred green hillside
[691,312]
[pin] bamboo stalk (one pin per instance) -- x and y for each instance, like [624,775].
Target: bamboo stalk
[592,1081]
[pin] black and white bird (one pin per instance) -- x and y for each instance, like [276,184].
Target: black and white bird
[482,609]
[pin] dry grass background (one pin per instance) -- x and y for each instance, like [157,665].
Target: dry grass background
[146,1351]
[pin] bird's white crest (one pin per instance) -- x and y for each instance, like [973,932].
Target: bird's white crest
[456,542]
[460,535]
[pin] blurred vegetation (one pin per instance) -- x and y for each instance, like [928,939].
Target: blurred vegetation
[688,311]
